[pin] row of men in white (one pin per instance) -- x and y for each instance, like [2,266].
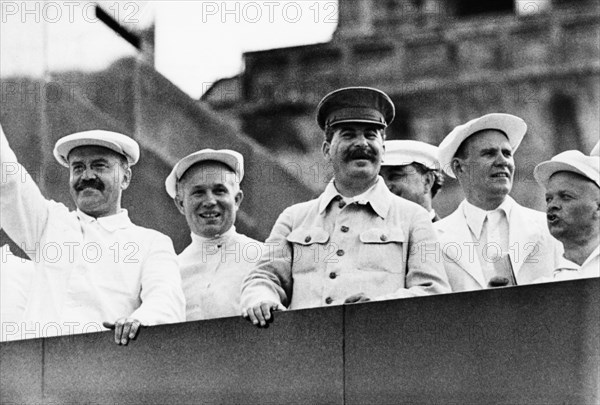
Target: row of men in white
[357,242]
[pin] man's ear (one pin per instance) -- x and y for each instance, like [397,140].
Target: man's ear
[179,204]
[428,181]
[126,180]
[326,149]
[238,198]
[457,166]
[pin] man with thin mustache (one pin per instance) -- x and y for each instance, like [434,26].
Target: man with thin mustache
[93,266]
[357,241]
[572,183]
[491,240]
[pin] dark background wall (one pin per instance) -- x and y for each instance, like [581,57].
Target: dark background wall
[537,344]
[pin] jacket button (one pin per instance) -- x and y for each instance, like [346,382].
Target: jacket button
[383,238]
[332,275]
[307,239]
[328,300]
[344,229]
[340,252]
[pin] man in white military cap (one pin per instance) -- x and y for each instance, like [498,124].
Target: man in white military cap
[205,187]
[572,183]
[93,265]
[491,240]
[411,170]
[357,241]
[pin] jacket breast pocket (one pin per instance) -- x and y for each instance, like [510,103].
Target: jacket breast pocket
[382,249]
[309,248]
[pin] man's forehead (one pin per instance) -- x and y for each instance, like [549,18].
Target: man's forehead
[488,137]
[354,126]
[209,172]
[94,152]
[570,180]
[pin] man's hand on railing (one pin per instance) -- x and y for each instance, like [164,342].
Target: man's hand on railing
[498,282]
[125,329]
[356,298]
[261,314]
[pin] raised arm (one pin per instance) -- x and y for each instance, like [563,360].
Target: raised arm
[24,209]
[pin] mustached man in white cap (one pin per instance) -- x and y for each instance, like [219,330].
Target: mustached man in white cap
[205,187]
[490,240]
[411,170]
[572,183]
[357,241]
[92,265]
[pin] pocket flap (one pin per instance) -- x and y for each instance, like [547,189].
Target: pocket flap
[382,235]
[308,236]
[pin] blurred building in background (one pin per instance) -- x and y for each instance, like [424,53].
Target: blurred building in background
[443,63]
[51,87]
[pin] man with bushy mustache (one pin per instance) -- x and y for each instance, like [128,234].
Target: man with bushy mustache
[491,240]
[356,242]
[93,266]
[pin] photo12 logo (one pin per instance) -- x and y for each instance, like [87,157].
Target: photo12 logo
[125,12]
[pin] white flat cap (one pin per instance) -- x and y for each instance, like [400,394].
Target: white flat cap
[400,153]
[514,128]
[230,158]
[569,161]
[595,150]
[122,144]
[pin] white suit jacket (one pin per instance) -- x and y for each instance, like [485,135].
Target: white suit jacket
[533,252]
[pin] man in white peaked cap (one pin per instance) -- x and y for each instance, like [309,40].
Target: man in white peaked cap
[92,265]
[205,187]
[411,170]
[491,240]
[357,241]
[572,183]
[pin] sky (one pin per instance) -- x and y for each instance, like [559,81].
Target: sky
[200,42]
[197,42]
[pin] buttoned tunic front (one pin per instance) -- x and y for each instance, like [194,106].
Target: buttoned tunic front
[322,251]
[87,270]
[212,271]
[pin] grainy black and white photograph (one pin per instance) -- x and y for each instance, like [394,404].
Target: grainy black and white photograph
[300,202]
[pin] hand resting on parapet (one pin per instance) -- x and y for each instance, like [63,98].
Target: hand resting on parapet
[357,298]
[126,329]
[498,282]
[261,314]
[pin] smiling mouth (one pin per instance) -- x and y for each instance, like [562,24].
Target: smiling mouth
[210,215]
[551,218]
[500,175]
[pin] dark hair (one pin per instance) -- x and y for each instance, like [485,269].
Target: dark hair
[438,177]
[330,130]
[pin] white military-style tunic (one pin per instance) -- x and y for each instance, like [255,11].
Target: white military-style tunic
[212,270]
[323,251]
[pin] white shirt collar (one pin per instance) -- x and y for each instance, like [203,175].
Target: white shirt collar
[432,214]
[111,223]
[475,215]
[197,239]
